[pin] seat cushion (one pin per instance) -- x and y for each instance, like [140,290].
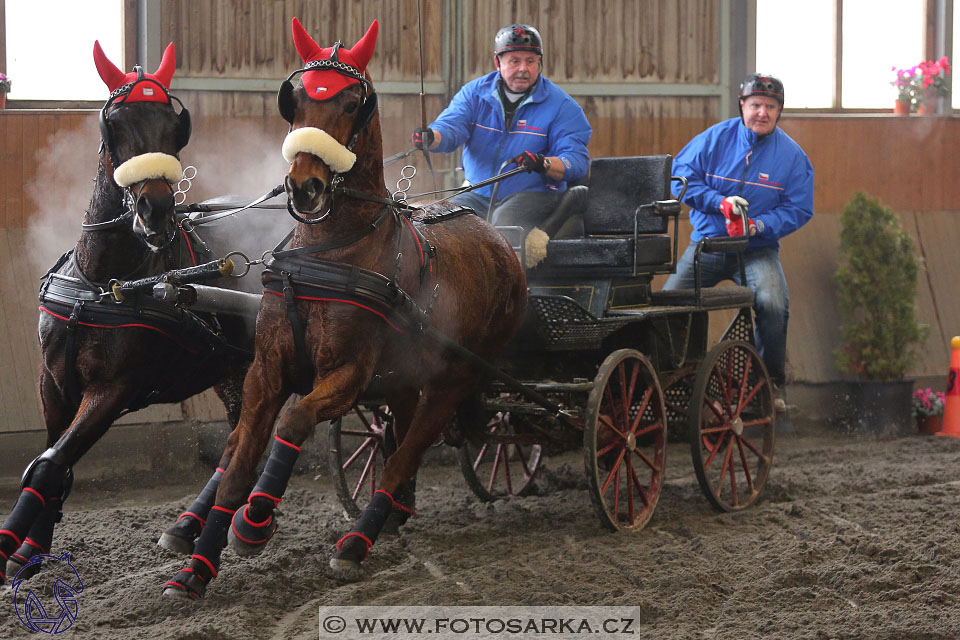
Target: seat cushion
[607,252]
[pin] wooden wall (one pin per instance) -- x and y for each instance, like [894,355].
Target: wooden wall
[48,158]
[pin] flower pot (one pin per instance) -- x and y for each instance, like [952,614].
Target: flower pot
[928,424]
[901,108]
[874,407]
[926,109]
[3,100]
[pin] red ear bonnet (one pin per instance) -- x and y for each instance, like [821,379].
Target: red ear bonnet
[322,85]
[144,91]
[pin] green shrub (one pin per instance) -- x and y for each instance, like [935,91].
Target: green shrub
[876,293]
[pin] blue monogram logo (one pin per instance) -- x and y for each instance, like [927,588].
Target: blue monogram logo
[66,586]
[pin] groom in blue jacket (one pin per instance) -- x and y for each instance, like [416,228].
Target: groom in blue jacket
[515,115]
[748,162]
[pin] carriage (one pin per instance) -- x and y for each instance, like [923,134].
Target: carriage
[604,359]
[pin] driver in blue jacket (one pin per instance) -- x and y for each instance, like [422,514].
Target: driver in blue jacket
[748,162]
[515,114]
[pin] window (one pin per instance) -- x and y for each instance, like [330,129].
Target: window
[793,44]
[798,42]
[52,59]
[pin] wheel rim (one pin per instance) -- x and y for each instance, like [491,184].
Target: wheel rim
[625,438]
[732,424]
[357,456]
[504,463]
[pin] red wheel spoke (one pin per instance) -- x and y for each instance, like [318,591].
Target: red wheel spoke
[643,408]
[506,471]
[733,473]
[606,420]
[744,377]
[753,392]
[745,465]
[719,413]
[610,447]
[366,443]
[720,429]
[628,473]
[523,461]
[613,470]
[764,458]
[723,469]
[369,469]
[656,426]
[616,493]
[363,418]
[640,488]
[496,464]
[713,452]
[479,458]
[757,422]
[612,407]
[628,396]
[650,463]
[676,408]
[725,381]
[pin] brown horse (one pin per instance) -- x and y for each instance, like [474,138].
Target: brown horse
[102,357]
[356,257]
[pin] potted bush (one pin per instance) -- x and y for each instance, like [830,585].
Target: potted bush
[876,294]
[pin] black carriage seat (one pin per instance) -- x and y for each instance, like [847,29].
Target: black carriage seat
[617,187]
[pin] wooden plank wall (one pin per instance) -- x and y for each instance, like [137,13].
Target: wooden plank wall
[47,158]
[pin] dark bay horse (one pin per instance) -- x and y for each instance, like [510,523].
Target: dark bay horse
[346,307]
[102,357]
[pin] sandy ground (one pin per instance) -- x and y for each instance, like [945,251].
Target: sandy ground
[853,538]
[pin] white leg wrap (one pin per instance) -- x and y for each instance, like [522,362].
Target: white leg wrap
[148,166]
[321,144]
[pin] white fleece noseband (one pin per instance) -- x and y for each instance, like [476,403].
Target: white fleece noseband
[321,144]
[146,167]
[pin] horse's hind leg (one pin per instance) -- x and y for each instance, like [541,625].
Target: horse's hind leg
[434,410]
[181,537]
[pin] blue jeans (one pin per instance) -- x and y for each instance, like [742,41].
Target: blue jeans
[526,209]
[772,303]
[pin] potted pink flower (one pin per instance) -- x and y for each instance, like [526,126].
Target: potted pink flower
[4,89]
[927,407]
[933,82]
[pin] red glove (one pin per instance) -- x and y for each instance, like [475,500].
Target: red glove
[729,206]
[735,226]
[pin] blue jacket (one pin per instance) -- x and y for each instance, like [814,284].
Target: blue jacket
[776,175]
[548,121]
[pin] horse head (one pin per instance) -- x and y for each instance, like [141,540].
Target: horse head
[328,111]
[141,136]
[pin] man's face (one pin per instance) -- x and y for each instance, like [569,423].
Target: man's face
[519,69]
[760,114]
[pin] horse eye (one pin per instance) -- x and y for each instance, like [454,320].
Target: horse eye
[350,107]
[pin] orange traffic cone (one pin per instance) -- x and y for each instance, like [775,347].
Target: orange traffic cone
[951,412]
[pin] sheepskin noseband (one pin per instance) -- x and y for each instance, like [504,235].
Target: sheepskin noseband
[321,144]
[146,167]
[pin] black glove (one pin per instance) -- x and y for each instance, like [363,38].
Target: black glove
[532,162]
[422,138]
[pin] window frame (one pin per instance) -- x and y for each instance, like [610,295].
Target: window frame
[937,37]
[129,45]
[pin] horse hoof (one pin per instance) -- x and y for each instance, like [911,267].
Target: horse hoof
[176,544]
[185,586]
[346,570]
[246,537]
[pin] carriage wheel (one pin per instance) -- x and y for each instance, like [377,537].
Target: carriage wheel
[624,440]
[732,425]
[357,454]
[502,462]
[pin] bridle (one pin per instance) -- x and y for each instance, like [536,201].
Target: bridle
[184,129]
[286,103]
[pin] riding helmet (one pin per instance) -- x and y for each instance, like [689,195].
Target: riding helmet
[517,37]
[757,84]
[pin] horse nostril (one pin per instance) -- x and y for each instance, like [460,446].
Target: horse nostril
[290,186]
[144,207]
[313,187]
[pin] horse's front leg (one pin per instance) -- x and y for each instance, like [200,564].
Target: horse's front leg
[263,398]
[28,530]
[335,393]
[432,415]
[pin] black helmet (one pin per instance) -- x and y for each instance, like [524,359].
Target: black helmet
[517,37]
[757,84]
